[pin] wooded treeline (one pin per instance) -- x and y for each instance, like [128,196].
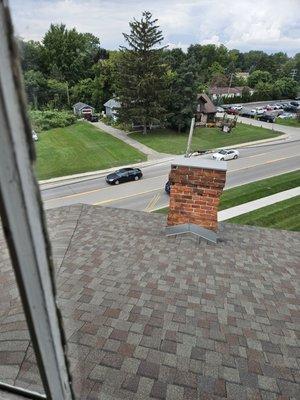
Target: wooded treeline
[67,66]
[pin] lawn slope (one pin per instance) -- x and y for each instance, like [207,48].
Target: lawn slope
[171,142]
[282,215]
[80,148]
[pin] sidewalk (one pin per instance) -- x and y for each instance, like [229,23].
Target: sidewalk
[256,204]
[121,135]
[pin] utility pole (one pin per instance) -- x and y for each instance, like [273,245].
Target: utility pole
[187,153]
[68,95]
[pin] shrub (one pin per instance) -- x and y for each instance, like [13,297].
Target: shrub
[45,120]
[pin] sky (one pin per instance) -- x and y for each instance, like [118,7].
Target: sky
[268,25]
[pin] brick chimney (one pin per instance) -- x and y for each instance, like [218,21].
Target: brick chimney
[196,187]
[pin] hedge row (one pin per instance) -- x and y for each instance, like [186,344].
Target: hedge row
[45,120]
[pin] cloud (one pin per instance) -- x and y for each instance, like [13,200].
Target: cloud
[269,25]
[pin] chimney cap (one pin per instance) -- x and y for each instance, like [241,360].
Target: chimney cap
[199,162]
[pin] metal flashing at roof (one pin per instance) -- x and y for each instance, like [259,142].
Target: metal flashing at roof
[199,162]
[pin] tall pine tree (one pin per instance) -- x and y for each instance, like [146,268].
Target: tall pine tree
[142,74]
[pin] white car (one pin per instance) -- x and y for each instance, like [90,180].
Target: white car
[286,116]
[220,109]
[260,110]
[237,107]
[228,154]
[35,137]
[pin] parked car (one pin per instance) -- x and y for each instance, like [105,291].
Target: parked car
[124,175]
[294,103]
[286,115]
[266,118]
[291,108]
[223,155]
[260,110]
[237,107]
[94,118]
[232,111]
[269,108]
[35,137]
[168,187]
[248,113]
[220,109]
[91,118]
[278,106]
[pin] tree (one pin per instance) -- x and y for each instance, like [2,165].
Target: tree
[217,73]
[31,55]
[285,87]
[263,90]
[106,72]
[70,55]
[142,76]
[183,96]
[259,76]
[36,87]
[174,58]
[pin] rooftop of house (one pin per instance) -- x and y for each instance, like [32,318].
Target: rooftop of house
[112,103]
[154,317]
[79,106]
[205,105]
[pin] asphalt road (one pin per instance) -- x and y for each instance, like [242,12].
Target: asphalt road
[255,163]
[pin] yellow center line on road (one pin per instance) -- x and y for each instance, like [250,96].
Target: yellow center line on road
[266,162]
[125,197]
[99,190]
[254,155]
[152,202]
[155,177]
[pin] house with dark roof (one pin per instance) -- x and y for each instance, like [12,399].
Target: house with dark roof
[206,110]
[82,109]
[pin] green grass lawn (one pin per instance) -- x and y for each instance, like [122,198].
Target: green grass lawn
[256,190]
[282,215]
[171,142]
[80,148]
[288,122]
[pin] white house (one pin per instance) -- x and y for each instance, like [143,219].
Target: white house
[111,107]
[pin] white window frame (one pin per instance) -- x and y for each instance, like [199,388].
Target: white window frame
[24,226]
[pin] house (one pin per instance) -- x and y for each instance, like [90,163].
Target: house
[82,109]
[111,107]
[206,110]
[216,92]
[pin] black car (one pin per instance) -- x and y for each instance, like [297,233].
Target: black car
[266,118]
[290,108]
[247,113]
[168,187]
[124,175]
[94,118]
[294,103]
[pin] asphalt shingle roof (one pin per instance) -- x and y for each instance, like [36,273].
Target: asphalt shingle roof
[155,317]
[79,106]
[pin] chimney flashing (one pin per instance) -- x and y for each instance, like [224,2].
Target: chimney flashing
[199,162]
